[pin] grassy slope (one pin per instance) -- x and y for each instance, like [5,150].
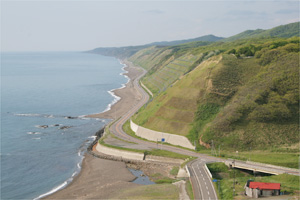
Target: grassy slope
[173,110]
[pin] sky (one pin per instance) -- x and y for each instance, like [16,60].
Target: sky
[79,25]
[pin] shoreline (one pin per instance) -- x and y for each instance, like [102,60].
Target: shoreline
[127,95]
[112,93]
[91,167]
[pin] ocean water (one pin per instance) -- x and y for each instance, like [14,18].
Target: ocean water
[44,134]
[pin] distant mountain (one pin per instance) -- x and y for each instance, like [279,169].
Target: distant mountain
[123,52]
[206,38]
[283,31]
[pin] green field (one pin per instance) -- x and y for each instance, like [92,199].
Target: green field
[225,176]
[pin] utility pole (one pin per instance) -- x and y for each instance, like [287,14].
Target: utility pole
[233,164]
[219,186]
[212,146]
[250,154]
[213,149]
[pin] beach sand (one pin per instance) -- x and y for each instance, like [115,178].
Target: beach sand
[100,178]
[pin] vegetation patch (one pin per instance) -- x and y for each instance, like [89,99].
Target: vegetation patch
[189,189]
[164,153]
[161,191]
[174,171]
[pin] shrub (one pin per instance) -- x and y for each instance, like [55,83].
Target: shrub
[270,112]
[232,51]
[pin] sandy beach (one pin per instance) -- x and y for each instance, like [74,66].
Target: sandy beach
[100,178]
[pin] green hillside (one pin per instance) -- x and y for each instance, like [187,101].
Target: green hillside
[239,94]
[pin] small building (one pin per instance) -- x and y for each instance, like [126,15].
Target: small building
[261,189]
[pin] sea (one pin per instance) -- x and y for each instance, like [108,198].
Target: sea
[44,131]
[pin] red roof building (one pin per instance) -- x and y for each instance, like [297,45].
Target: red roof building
[260,189]
[264,186]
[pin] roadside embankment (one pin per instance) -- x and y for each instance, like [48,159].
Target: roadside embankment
[128,156]
[157,136]
[119,153]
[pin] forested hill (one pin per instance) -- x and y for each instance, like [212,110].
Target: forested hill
[240,94]
[284,31]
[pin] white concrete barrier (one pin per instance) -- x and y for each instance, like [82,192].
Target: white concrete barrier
[157,136]
[119,153]
[134,127]
[207,170]
[188,171]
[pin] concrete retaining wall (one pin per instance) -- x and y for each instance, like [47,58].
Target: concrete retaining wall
[182,173]
[157,136]
[119,153]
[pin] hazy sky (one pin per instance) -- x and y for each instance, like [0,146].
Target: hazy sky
[76,25]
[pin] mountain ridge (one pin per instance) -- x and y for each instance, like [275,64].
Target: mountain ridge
[288,30]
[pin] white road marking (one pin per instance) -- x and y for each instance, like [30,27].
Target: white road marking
[201,193]
[207,192]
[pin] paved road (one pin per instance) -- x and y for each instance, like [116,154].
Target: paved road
[201,181]
[197,167]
